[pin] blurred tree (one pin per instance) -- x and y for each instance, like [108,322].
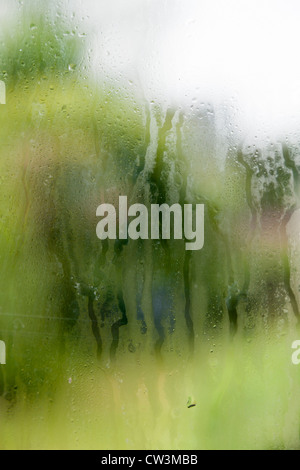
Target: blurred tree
[37,47]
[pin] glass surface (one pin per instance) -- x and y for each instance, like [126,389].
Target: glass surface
[146,344]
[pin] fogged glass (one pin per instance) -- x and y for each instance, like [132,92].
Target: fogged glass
[134,344]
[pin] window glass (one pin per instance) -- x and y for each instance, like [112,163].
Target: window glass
[149,224]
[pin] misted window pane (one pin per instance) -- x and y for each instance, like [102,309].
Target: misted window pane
[149,224]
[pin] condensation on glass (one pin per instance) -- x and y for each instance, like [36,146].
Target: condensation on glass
[141,343]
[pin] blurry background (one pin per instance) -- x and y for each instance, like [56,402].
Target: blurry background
[108,344]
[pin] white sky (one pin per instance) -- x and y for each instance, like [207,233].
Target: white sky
[187,51]
[246,52]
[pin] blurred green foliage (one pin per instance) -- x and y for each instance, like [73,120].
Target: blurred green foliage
[67,146]
[35,48]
